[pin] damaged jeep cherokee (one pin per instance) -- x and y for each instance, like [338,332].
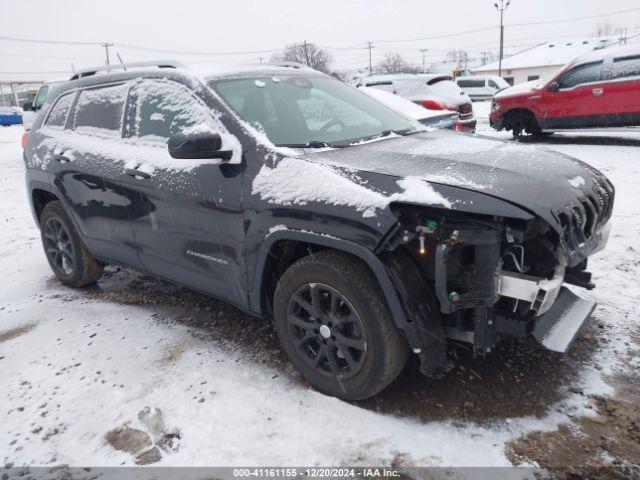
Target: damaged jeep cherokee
[367,237]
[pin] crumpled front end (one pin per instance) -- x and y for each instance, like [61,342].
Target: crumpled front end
[496,277]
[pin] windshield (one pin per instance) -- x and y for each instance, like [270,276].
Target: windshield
[310,111]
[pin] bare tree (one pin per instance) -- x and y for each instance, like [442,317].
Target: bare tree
[306,53]
[461,57]
[486,57]
[395,63]
[606,29]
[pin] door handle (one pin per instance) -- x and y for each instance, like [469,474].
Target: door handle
[61,158]
[597,91]
[136,173]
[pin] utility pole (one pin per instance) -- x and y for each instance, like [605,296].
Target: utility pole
[424,52]
[306,53]
[370,46]
[106,51]
[501,8]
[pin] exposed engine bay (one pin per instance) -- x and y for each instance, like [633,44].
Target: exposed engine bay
[494,277]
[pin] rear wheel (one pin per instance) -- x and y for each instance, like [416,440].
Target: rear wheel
[335,327]
[68,257]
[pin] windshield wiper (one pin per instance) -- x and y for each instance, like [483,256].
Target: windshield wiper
[310,144]
[385,133]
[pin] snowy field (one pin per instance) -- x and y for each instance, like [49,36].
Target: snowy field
[79,366]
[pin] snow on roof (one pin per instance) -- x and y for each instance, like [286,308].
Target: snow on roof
[550,54]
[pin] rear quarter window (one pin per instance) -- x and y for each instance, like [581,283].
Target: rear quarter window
[57,117]
[100,110]
[625,67]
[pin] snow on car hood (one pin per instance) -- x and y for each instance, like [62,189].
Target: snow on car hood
[518,89]
[534,179]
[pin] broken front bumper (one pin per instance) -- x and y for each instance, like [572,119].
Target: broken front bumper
[559,313]
[557,329]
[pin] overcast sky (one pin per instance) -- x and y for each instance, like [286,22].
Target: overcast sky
[252,25]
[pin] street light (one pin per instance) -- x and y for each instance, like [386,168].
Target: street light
[501,8]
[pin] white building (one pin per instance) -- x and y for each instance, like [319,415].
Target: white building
[543,60]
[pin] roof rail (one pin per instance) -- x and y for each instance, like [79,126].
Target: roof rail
[290,65]
[87,72]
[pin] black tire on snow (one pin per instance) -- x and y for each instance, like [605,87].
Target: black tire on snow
[84,269]
[386,348]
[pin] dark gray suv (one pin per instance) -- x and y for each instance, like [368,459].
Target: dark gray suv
[367,237]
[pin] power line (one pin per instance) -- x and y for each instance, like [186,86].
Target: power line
[255,52]
[36,73]
[49,42]
[190,52]
[574,19]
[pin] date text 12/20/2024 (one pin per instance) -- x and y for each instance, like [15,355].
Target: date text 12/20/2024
[316,472]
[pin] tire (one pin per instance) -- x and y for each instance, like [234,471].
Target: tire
[334,302]
[524,125]
[68,257]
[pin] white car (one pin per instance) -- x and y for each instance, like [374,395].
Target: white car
[433,92]
[482,87]
[437,118]
[31,109]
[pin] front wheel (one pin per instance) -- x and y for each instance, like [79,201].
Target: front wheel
[335,327]
[67,255]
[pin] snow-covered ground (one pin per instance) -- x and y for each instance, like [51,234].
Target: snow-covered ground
[75,365]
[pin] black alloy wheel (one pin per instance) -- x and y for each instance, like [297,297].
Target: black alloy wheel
[66,253]
[327,331]
[58,247]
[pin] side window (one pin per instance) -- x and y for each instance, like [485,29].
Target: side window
[625,67]
[41,96]
[100,110]
[586,73]
[58,116]
[493,84]
[165,108]
[471,83]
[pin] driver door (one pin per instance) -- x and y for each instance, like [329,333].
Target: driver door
[194,235]
[579,101]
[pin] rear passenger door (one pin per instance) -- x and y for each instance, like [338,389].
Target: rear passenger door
[85,159]
[622,92]
[194,235]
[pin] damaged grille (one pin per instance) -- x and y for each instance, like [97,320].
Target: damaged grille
[582,218]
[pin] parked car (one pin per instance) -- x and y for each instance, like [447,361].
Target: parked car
[481,87]
[10,116]
[598,90]
[433,92]
[365,236]
[31,108]
[434,118]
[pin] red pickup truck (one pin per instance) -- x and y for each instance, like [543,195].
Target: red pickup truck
[598,90]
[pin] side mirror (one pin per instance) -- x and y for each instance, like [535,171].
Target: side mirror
[554,87]
[198,145]
[28,106]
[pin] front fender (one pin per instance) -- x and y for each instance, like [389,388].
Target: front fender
[367,256]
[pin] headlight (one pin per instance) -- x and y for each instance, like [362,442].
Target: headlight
[495,106]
